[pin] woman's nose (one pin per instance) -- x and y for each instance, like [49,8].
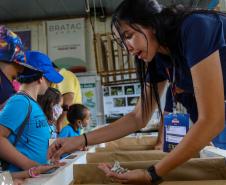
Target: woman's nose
[129,46]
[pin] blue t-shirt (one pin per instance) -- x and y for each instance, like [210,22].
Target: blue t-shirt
[33,142]
[6,88]
[69,131]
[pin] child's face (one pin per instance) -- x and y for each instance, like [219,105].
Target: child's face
[86,120]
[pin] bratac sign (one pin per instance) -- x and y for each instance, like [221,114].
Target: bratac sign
[66,42]
[65,27]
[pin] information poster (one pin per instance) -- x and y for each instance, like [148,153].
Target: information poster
[120,100]
[89,95]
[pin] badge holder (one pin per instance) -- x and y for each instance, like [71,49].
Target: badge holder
[176,126]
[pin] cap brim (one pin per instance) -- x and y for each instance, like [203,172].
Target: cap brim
[54,76]
[27,66]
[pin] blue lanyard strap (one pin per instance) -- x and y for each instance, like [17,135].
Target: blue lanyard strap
[173,87]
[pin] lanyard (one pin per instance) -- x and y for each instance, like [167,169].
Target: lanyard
[173,87]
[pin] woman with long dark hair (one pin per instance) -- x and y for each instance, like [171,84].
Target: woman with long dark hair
[191,45]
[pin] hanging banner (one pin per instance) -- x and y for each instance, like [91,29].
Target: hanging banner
[66,42]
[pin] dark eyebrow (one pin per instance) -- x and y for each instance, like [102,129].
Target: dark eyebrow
[123,34]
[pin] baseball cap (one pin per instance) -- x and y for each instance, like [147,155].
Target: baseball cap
[42,63]
[11,48]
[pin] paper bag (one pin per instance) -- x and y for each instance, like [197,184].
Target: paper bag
[130,144]
[193,170]
[124,156]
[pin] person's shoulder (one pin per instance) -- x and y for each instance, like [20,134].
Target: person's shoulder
[66,73]
[17,105]
[197,24]
[66,128]
[18,98]
[196,20]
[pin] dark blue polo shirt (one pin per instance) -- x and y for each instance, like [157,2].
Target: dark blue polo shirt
[201,34]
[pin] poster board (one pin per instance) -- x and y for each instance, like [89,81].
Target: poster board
[119,100]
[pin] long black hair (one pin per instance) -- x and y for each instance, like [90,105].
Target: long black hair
[165,21]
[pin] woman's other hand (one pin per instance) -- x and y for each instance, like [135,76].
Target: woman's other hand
[138,176]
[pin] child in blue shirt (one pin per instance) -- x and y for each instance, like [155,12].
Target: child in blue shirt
[30,149]
[78,116]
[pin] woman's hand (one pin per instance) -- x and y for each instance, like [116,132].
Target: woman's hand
[64,145]
[138,176]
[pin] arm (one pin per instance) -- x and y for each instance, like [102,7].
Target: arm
[209,93]
[122,127]
[9,153]
[36,170]
[67,100]
[127,124]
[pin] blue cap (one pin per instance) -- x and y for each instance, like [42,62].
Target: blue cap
[42,63]
[11,48]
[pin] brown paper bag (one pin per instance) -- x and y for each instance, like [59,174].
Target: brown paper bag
[130,144]
[193,170]
[124,156]
[143,140]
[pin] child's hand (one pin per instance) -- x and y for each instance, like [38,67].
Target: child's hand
[37,170]
[84,148]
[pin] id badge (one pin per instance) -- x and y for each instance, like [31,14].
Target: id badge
[176,127]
